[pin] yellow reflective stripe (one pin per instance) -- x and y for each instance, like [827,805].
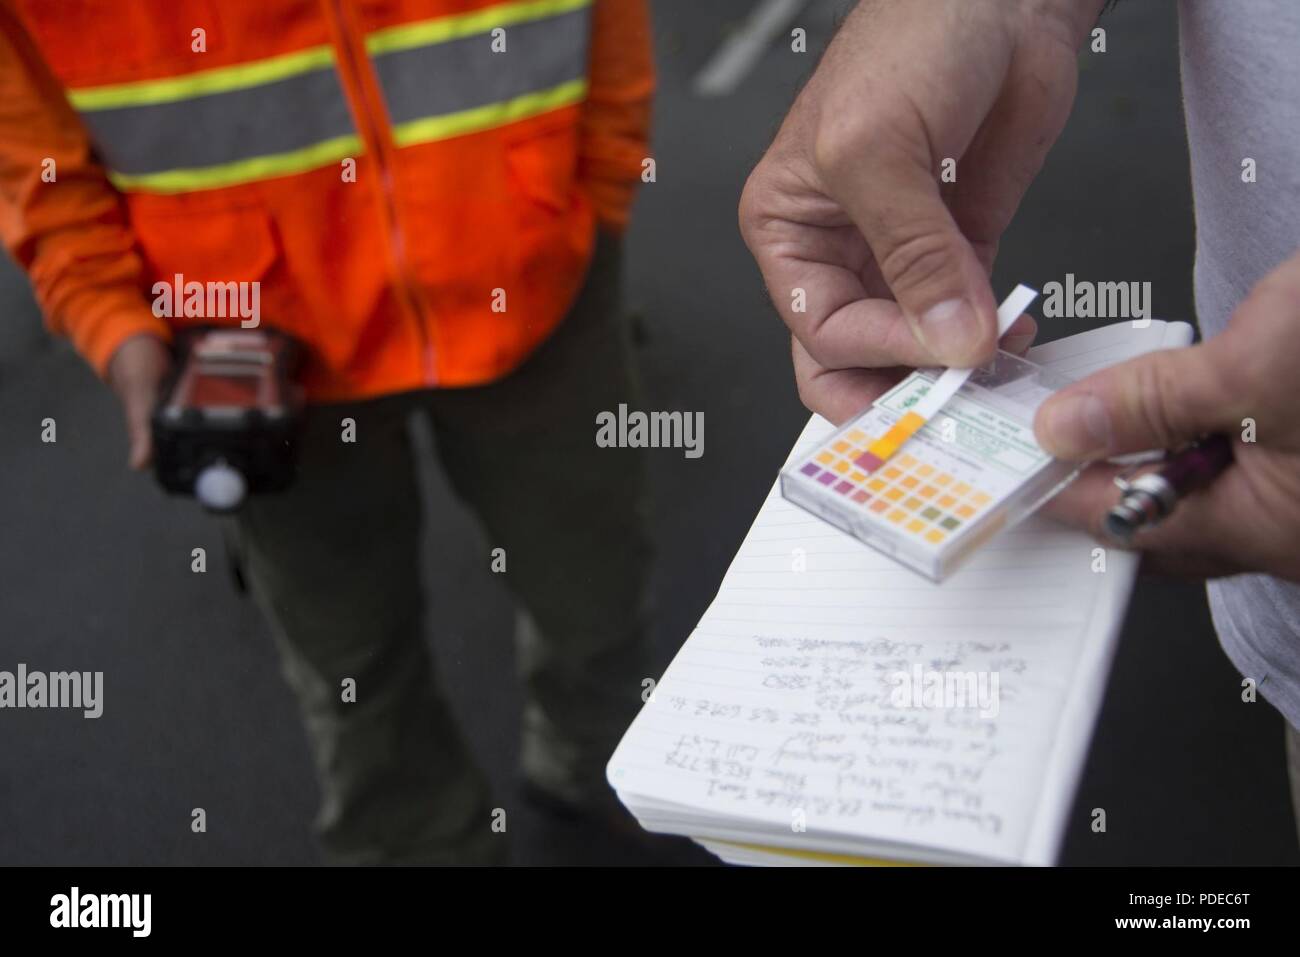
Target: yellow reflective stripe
[204,82]
[241,171]
[407,35]
[243,75]
[480,118]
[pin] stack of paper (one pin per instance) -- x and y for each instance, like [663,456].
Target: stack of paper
[782,731]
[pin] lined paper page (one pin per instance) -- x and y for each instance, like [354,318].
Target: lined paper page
[777,711]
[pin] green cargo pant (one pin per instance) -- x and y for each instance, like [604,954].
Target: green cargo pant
[334,562]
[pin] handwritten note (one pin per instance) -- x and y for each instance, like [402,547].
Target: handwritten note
[783,719]
[775,707]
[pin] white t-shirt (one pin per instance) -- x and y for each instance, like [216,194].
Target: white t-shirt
[1241,92]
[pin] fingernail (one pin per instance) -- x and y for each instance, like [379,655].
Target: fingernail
[951,332]
[1076,427]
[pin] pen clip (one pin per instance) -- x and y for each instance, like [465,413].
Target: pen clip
[1135,464]
[1122,479]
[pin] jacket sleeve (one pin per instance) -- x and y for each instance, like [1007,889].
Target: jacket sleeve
[60,218]
[616,114]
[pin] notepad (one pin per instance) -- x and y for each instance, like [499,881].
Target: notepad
[796,724]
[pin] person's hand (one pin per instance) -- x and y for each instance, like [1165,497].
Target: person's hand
[136,374]
[1249,518]
[848,204]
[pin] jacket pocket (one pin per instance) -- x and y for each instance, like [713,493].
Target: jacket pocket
[543,165]
[549,240]
[218,246]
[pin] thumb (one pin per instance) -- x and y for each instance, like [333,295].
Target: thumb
[928,264]
[137,404]
[1162,400]
[136,373]
[138,397]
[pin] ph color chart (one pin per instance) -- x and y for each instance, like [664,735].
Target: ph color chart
[918,497]
[953,482]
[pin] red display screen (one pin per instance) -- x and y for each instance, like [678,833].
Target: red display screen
[225,390]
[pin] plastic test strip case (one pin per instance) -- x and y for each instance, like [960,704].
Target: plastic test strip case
[954,481]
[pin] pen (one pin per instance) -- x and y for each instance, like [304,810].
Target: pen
[1149,498]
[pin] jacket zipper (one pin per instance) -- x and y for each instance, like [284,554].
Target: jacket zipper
[408,290]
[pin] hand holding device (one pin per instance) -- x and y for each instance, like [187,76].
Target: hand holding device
[227,425]
[136,374]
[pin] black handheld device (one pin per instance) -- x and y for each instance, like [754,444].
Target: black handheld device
[226,426]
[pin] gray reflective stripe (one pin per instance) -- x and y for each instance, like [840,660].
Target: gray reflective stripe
[463,74]
[221,128]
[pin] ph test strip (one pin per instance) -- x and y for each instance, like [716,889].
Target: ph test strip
[944,389]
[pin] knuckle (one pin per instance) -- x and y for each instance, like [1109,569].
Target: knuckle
[842,140]
[804,387]
[749,211]
[916,262]
[801,362]
[1239,379]
[1155,402]
[765,205]
[829,149]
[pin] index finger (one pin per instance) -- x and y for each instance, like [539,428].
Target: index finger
[815,278]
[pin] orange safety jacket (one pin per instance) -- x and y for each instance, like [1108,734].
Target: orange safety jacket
[415,184]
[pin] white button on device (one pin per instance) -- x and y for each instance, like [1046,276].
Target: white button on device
[220,488]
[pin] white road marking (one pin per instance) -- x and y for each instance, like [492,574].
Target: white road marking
[741,51]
